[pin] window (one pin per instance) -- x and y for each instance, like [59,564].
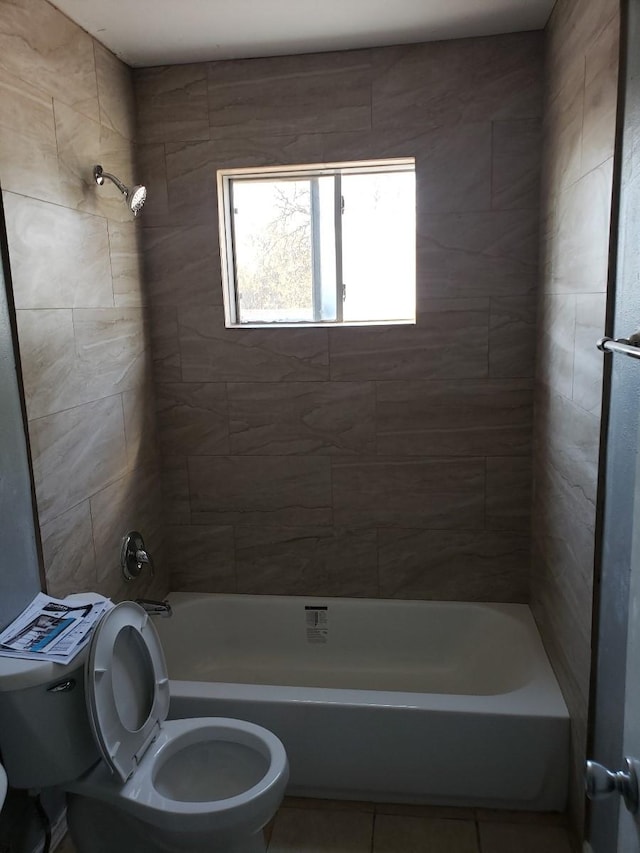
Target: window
[319,245]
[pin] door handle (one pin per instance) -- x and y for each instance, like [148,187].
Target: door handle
[601,782]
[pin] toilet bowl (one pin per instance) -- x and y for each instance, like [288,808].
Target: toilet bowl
[161,786]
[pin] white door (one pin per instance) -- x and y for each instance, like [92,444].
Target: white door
[629,826]
[615,710]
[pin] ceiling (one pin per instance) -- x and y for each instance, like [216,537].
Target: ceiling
[159,32]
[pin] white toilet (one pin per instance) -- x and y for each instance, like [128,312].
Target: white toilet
[136,782]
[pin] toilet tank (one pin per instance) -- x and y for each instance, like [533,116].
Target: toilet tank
[45,737]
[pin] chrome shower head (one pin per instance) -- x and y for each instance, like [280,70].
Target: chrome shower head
[135,197]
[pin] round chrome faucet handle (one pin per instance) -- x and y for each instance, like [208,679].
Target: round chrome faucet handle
[134,556]
[601,782]
[145,559]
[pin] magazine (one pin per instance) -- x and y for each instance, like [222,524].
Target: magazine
[53,629]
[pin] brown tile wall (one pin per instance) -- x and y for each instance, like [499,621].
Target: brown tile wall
[390,460]
[578,143]
[66,103]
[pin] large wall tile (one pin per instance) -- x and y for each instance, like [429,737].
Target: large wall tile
[182,265]
[47,50]
[165,344]
[78,152]
[201,558]
[115,93]
[508,494]
[450,340]
[171,103]
[176,497]
[600,97]
[125,251]
[307,561]
[512,336]
[564,521]
[192,418]
[395,492]
[68,552]
[580,257]
[588,367]
[515,178]
[454,170]
[290,94]
[211,352]
[556,342]
[569,448]
[76,453]
[491,253]
[301,418]
[563,123]
[111,347]
[449,82]
[71,358]
[28,152]
[51,381]
[260,490]
[140,426]
[463,418]
[451,565]
[59,257]
[574,27]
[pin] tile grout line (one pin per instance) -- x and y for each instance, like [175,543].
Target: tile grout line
[373,830]
[478,840]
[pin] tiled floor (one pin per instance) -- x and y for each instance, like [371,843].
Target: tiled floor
[329,826]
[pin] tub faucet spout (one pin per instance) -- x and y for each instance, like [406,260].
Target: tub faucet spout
[155,608]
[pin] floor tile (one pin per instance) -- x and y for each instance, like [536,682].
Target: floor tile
[502,816]
[321,831]
[336,805]
[398,834]
[523,838]
[432,812]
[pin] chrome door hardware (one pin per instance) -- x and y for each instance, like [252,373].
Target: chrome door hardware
[601,782]
[626,346]
[134,556]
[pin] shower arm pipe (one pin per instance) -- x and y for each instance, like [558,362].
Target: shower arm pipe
[99,174]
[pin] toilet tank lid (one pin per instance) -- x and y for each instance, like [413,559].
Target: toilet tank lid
[18,674]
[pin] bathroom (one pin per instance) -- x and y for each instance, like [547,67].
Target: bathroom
[144,412]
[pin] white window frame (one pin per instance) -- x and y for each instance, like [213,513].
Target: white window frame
[225,178]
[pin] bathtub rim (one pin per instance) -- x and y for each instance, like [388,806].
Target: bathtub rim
[539,697]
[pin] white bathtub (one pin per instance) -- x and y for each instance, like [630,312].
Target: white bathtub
[395,701]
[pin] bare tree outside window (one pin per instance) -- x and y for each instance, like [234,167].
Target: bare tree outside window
[274,269]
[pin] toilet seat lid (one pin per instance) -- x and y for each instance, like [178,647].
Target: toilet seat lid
[127,686]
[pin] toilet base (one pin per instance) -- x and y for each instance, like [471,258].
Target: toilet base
[97,828]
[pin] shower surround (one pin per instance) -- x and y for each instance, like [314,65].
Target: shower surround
[389,461]
[67,103]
